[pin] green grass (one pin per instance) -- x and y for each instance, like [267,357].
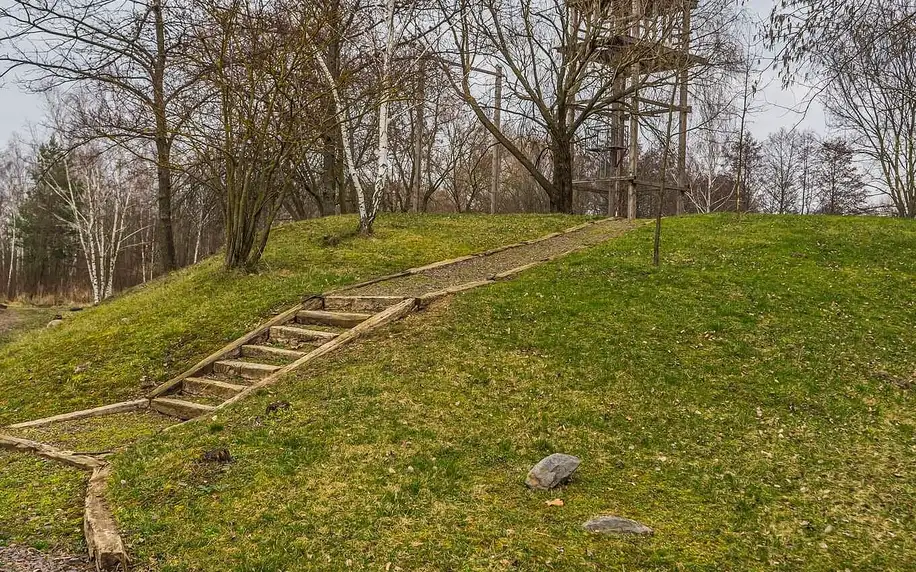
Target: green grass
[107,353]
[16,320]
[735,399]
[159,329]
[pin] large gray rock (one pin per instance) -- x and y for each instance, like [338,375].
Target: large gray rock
[616,525]
[552,471]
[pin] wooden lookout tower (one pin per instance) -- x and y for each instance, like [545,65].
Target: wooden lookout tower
[645,44]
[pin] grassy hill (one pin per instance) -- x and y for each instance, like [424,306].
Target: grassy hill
[749,400]
[107,353]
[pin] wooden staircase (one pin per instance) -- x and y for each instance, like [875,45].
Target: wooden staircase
[289,337]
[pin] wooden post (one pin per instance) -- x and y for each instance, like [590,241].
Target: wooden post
[634,115]
[497,148]
[682,133]
[417,175]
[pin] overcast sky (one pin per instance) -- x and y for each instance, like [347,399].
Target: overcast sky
[19,111]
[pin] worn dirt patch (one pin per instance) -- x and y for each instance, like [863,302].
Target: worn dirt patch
[25,559]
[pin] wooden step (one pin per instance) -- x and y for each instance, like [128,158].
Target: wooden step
[204,386]
[300,334]
[180,408]
[371,304]
[253,351]
[246,369]
[337,319]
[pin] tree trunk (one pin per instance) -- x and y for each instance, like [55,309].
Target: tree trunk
[164,204]
[163,147]
[562,195]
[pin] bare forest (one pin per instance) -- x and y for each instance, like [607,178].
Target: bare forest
[177,129]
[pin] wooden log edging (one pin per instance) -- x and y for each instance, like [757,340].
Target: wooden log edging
[103,540]
[122,407]
[49,452]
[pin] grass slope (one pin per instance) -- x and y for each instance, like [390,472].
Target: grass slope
[160,329]
[737,399]
[101,354]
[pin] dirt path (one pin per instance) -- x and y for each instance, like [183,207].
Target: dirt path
[25,559]
[483,267]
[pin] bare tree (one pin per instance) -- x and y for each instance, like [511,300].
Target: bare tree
[564,69]
[97,191]
[253,118]
[840,186]
[781,164]
[873,97]
[128,54]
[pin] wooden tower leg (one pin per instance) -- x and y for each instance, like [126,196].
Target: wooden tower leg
[634,145]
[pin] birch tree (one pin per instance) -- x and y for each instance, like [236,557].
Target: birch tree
[97,191]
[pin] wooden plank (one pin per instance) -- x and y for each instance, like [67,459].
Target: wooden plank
[300,334]
[367,283]
[311,303]
[204,386]
[180,408]
[121,407]
[427,299]
[371,304]
[517,270]
[255,351]
[48,452]
[246,369]
[393,313]
[99,527]
[325,318]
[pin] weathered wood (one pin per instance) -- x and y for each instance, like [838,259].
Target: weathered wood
[246,369]
[311,303]
[48,452]
[371,304]
[121,407]
[367,283]
[300,334]
[391,314]
[336,319]
[180,408]
[517,270]
[255,351]
[427,299]
[203,386]
[99,527]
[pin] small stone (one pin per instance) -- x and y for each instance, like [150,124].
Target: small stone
[58,320]
[552,471]
[616,525]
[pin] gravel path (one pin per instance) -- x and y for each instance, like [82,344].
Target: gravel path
[24,559]
[482,267]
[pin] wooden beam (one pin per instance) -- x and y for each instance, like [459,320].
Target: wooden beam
[360,303]
[99,527]
[121,407]
[334,319]
[48,452]
[179,408]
